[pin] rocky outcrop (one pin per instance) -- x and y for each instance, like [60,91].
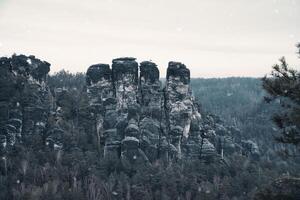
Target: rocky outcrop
[100,86]
[152,112]
[24,99]
[145,121]
[178,104]
[184,121]
[125,81]
[132,116]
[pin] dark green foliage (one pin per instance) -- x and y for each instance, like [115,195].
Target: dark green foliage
[282,188]
[284,86]
[66,79]
[239,102]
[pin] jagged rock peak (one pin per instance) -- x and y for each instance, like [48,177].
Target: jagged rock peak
[125,65]
[125,81]
[98,71]
[25,99]
[177,69]
[149,72]
[30,66]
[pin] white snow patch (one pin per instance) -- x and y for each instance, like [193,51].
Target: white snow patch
[29,61]
[186,129]
[57,147]
[128,138]
[41,124]
[114,193]
[14,72]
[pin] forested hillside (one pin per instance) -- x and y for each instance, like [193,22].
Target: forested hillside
[239,102]
[227,97]
[64,158]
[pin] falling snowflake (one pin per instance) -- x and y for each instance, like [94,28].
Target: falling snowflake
[179,29]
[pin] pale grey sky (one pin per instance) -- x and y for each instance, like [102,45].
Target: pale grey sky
[214,38]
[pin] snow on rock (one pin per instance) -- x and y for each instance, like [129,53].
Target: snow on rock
[24,98]
[138,119]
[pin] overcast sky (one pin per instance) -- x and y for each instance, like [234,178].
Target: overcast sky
[214,38]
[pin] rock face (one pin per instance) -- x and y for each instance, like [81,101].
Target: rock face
[24,100]
[152,112]
[131,116]
[102,100]
[125,79]
[140,121]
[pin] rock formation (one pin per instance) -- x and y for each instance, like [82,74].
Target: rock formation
[132,117]
[153,138]
[145,121]
[24,100]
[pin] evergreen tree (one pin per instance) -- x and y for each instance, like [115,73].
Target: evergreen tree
[284,86]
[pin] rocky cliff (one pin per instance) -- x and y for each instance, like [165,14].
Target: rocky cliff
[24,100]
[138,119]
[130,115]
